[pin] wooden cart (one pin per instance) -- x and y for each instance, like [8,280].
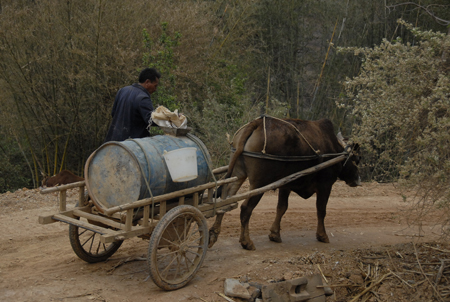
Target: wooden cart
[175,224]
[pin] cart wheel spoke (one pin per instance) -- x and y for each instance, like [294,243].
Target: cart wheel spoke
[189,238]
[177,247]
[84,231]
[87,245]
[167,269]
[168,241]
[188,260]
[161,257]
[174,228]
[88,239]
[194,253]
[187,226]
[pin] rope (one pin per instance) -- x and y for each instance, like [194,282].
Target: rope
[298,131]
[240,130]
[143,174]
[198,142]
[265,135]
[265,132]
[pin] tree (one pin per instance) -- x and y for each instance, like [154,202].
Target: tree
[401,104]
[62,63]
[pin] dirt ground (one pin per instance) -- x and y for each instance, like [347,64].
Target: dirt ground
[371,246]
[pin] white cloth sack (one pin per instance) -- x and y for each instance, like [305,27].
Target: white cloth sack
[163,117]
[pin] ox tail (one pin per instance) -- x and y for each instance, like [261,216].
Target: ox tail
[240,144]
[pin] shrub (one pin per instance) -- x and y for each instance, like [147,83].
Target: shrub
[401,102]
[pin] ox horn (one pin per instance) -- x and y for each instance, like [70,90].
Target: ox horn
[341,139]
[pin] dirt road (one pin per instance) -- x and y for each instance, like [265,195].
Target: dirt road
[38,264]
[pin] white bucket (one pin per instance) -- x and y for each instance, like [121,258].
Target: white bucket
[182,164]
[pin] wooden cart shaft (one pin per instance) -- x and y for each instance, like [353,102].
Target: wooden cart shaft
[129,225]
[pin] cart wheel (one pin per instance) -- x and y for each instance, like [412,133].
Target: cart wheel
[177,247]
[88,247]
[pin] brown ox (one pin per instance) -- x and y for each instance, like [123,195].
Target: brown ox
[62,178]
[289,137]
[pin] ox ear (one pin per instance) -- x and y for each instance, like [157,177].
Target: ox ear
[44,179]
[356,148]
[341,139]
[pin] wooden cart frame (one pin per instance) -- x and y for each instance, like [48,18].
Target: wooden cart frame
[174,223]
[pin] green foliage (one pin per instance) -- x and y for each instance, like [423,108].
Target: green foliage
[160,55]
[401,102]
[60,71]
[226,106]
[61,66]
[14,170]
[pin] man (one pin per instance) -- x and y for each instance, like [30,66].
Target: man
[133,108]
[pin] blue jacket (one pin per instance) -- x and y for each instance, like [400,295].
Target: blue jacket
[131,113]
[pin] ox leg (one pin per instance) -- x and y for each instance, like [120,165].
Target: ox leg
[231,189]
[214,231]
[239,172]
[282,206]
[246,212]
[321,205]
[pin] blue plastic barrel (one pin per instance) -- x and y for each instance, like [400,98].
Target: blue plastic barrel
[116,173]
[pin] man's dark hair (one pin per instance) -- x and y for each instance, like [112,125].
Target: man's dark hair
[149,74]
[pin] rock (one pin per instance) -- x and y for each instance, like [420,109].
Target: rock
[244,279]
[301,289]
[254,293]
[234,288]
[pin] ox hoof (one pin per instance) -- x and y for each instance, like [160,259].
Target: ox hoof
[275,237]
[212,238]
[248,245]
[323,238]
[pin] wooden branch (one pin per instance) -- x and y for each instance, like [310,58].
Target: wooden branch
[156,199]
[229,200]
[370,287]
[437,249]
[440,272]
[220,170]
[338,285]
[63,187]
[426,278]
[401,279]
[225,297]
[283,181]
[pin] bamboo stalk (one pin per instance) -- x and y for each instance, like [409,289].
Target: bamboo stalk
[316,87]
[268,90]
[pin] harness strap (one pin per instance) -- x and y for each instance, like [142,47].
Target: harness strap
[265,133]
[298,131]
[288,158]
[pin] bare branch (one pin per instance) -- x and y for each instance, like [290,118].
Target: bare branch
[426,9]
